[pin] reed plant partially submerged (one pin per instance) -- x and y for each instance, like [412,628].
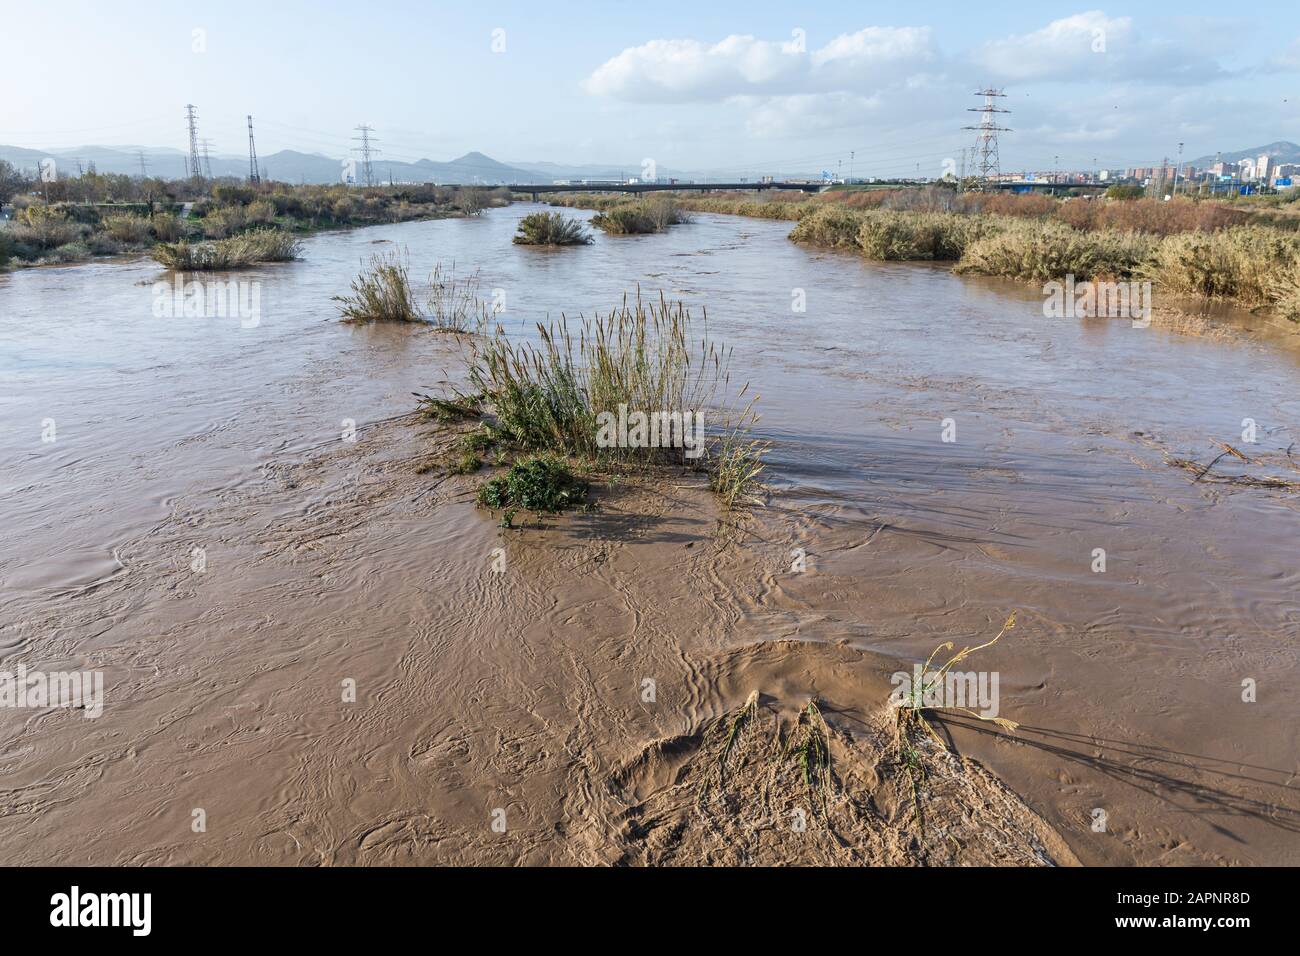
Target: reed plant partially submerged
[1040,251]
[453,301]
[383,292]
[249,248]
[914,705]
[551,229]
[630,388]
[640,217]
[911,723]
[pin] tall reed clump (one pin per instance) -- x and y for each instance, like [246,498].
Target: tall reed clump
[45,228]
[128,228]
[731,204]
[891,235]
[640,218]
[1043,250]
[263,245]
[560,395]
[166,227]
[1251,264]
[551,229]
[832,225]
[1286,290]
[381,293]
[224,222]
[453,302]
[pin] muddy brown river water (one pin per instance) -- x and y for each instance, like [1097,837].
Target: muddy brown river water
[325,561]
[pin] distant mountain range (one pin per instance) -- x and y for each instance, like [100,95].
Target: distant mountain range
[1280,152]
[287,165]
[295,167]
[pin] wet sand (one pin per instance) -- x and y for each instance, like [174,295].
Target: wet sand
[524,691]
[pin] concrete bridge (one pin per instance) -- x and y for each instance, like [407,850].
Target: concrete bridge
[536,191]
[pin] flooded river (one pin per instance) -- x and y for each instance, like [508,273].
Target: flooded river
[1156,696]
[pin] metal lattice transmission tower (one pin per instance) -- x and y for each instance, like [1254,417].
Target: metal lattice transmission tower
[254,178]
[988,165]
[192,117]
[207,159]
[367,151]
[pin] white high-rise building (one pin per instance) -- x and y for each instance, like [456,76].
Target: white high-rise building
[1262,167]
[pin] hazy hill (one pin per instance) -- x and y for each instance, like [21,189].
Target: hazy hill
[553,171]
[287,165]
[1280,152]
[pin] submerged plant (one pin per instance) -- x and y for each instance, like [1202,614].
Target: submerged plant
[445,409]
[381,293]
[551,229]
[263,245]
[736,462]
[453,301]
[1032,250]
[913,705]
[574,392]
[641,356]
[638,218]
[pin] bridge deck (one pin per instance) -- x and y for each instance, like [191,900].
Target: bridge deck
[661,187]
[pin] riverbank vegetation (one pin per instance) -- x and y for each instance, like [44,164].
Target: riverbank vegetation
[551,229]
[116,215]
[1186,248]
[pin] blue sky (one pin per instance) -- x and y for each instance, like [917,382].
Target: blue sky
[738,86]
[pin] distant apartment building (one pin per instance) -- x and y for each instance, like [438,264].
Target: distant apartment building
[1263,167]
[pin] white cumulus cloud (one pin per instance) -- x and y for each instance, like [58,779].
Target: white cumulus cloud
[1091,46]
[676,71]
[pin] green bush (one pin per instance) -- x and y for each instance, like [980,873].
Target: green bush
[542,483]
[234,195]
[1125,191]
[639,218]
